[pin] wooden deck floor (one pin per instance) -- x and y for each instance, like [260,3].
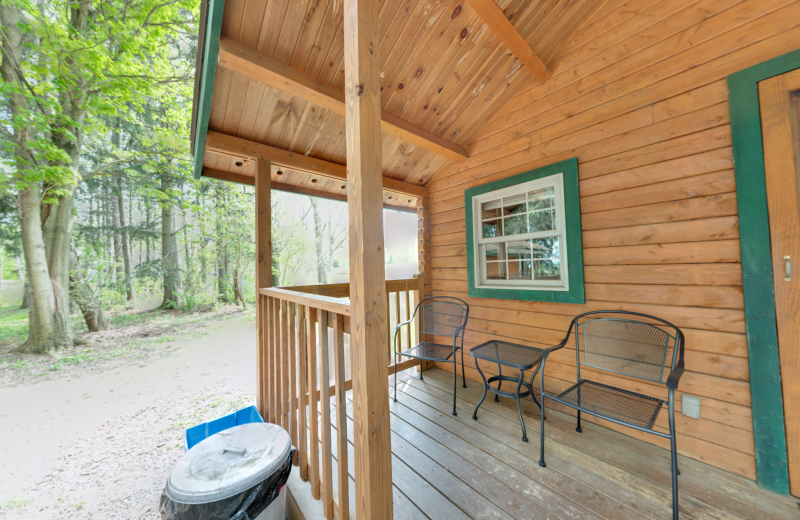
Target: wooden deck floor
[452,467]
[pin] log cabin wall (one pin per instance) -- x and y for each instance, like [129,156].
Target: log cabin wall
[639,96]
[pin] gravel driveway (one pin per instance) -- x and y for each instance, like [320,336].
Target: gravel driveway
[101,445]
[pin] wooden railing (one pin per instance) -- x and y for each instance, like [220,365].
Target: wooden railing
[304,339]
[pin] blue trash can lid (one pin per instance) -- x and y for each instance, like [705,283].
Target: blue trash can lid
[228,463]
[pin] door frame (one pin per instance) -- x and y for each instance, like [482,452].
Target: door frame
[769,432]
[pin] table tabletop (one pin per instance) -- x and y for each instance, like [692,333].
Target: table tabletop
[508,354]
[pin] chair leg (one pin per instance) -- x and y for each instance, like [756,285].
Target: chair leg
[455,380]
[541,420]
[463,373]
[519,408]
[395,378]
[541,406]
[674,456]
[578,429]
[485,387]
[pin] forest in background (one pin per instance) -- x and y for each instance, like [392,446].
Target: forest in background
[97,201]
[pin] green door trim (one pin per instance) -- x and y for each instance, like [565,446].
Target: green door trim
[210,55]
[759,292]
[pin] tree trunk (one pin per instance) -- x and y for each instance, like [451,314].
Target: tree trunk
[319,232]
[49,321]
[50,326]
[237,289]
[222,252]
[23,277]
[82,294]
[115,222]
[169,247]
[147,227]
[124,243]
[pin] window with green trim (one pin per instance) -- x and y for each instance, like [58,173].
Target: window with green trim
[524,236]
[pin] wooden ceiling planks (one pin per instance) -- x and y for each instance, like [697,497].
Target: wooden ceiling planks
[442,70]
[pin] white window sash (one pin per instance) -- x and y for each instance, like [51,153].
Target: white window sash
[480,243]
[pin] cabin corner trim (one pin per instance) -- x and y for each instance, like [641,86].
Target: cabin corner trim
[210,55]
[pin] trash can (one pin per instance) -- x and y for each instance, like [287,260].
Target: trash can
[236,474]
[205,430]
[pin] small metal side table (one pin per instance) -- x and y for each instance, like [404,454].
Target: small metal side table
[518,357]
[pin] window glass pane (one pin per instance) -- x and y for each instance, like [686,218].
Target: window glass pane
[514,205]
[494,252]
[542,221]
[546,248]
[490,209]
[492,229]
[547,269]
[515,225]
[519,270]
[519,249]
[495,270]
[542,199]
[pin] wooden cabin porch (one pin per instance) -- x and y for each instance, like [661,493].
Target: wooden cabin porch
[631,113]
[456,468]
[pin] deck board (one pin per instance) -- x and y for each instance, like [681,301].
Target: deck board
[447,466]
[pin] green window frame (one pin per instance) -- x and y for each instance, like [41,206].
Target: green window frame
[565,177]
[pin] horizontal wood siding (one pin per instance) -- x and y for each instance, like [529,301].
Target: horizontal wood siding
[639,96]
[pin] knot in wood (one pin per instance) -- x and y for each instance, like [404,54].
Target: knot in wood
[359,90]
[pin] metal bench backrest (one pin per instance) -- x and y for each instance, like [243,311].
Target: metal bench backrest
[442,316]
[618,343]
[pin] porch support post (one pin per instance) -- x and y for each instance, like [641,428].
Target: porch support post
[263,277]
[368,322]
[424,257]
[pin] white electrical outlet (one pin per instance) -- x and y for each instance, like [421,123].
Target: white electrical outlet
[690,406]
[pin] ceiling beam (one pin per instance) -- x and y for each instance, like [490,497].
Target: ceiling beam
[241,178]
[249,62]
[494,17]
[238,147]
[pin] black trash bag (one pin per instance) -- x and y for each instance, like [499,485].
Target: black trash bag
[243,506]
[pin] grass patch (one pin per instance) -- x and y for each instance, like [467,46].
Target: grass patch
[13,325]
[133,335]
[12,503]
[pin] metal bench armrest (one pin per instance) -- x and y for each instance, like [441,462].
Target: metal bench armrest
[675,376]
[404,323]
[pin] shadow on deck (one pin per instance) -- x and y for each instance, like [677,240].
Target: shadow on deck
[452,467]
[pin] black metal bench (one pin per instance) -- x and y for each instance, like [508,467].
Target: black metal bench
[613,341]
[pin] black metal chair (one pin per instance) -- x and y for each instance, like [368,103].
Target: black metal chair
[613,342]
[440,316]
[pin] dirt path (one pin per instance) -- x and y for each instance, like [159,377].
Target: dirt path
[101,444]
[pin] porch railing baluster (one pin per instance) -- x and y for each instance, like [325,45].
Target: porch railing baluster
[302,377]
[341,417]
[284,366]
[297,362]
[292,353]
[325,401]
[313,400]
[276,356]
[407,316]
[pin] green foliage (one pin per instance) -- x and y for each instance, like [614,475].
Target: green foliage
[82,63]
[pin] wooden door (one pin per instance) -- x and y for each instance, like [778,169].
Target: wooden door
[780,119]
